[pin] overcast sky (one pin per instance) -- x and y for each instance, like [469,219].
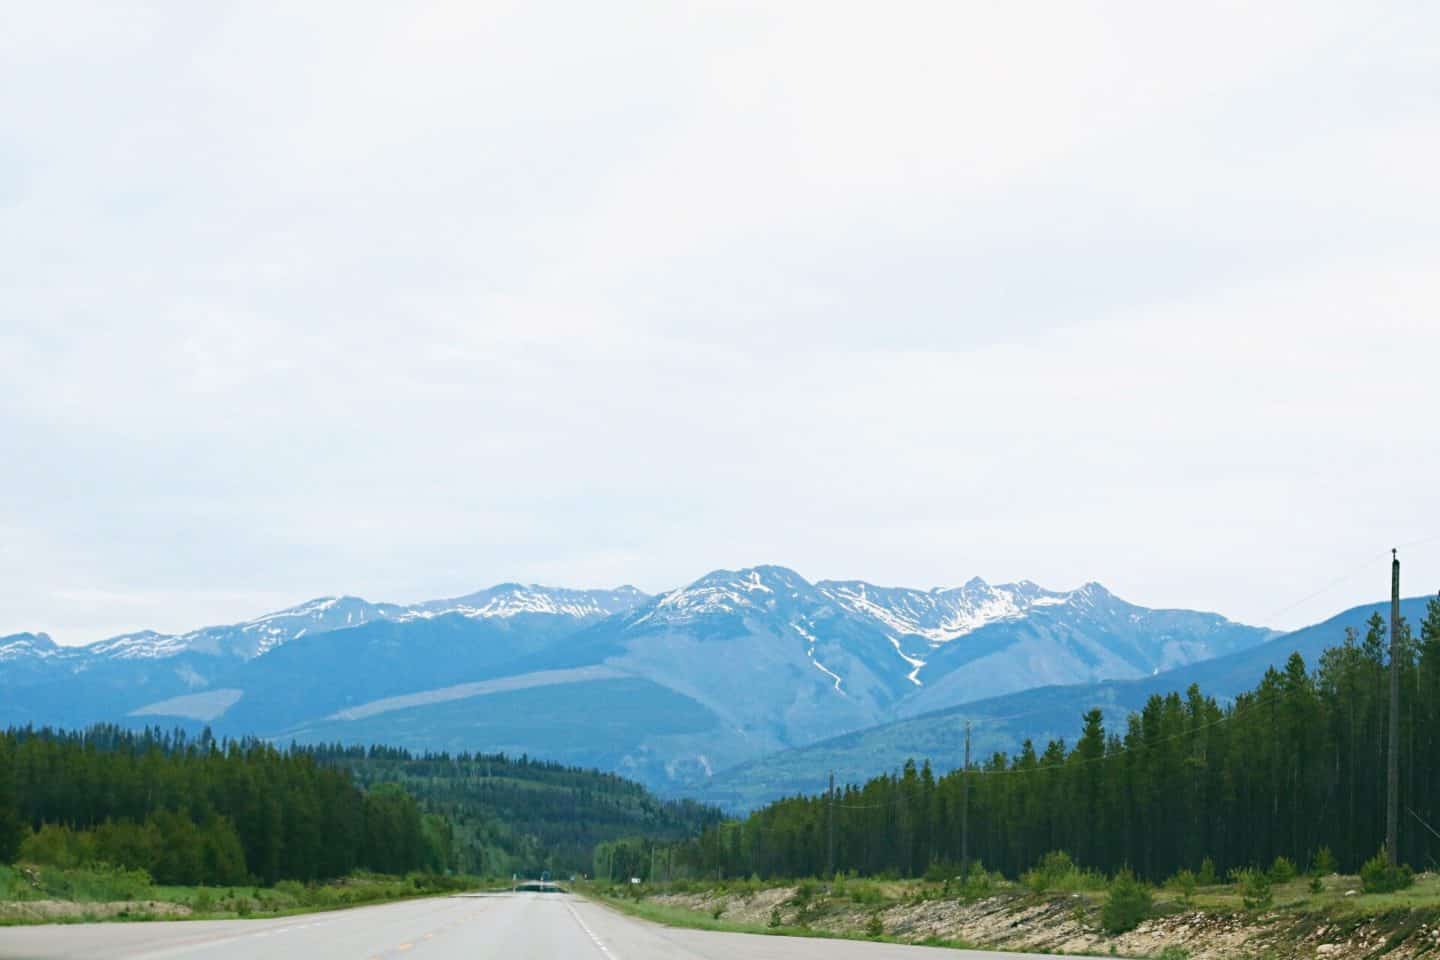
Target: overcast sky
[403,300]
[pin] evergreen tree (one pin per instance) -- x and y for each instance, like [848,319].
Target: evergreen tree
[12,830]
[1291,767]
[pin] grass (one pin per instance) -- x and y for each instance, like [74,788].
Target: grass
[1296,897]
[671,916]
[839,910]
[105,893]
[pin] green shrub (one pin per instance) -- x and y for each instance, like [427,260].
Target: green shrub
[95,884]
[865,894]
[1317,883]
[980,883]
[1324,863]
[775,919]
[1184,883]
[1377,876]
[204,901]
[1126,905]
[1057,872]
[874,927]
[1173,952]
[1255,889]
[1207,876]
[1282,870]
[1052,866]
[55,845]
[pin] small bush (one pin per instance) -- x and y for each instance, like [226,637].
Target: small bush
[1317,884]
[1057,872]
[874,927]
[1255,889]
[1377,876]
[204,901]
[775,920]
[865,894]
[1127,904]
[717,911]
[1207,877]
[1173,952]
[95,884]
[980,883]
[1282,870]
[1184,883]
[1324,863]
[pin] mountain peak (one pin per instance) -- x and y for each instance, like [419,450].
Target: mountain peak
[722,592]
[1092,590]
[20,645]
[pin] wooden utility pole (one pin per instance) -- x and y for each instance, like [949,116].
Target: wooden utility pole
[830,842]
[1392,779]
[965,809]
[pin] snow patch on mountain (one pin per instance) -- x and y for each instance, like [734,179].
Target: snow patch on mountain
[514,599]
[942,615]
[27,645]
[723,592]
[257,637]
[915,663]
[145,645]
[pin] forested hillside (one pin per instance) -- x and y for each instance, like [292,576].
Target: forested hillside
[518,814]
[1296,764]
[202,811]
[225,812]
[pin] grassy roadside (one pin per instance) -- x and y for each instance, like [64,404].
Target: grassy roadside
[37,895]
[1303,920]
[670,915]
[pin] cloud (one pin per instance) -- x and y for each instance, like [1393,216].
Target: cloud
[406,301]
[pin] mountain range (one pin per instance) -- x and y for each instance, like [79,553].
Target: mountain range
[1040,714]
[677,690]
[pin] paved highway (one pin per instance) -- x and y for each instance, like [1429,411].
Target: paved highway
[500,926]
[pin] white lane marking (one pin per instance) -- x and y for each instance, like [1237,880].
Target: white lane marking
[590,933]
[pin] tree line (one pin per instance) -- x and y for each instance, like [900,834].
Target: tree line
[519,814]
[1295,765]
[198,810]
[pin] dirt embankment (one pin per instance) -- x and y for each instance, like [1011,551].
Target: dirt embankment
[1070,924]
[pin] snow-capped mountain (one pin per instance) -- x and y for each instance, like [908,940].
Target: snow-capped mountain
[939,616]
[514,599]
[670,688]
[257,637]
[19,645]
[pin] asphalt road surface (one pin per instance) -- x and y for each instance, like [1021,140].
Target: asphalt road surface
[520,926]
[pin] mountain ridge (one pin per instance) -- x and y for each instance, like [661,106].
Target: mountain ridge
[321,614]
[1040,713]
[669,689]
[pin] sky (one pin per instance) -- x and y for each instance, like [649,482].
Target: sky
[404,300]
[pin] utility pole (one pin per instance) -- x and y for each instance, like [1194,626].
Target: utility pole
[965,809]
[830,844]
[1392,780]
